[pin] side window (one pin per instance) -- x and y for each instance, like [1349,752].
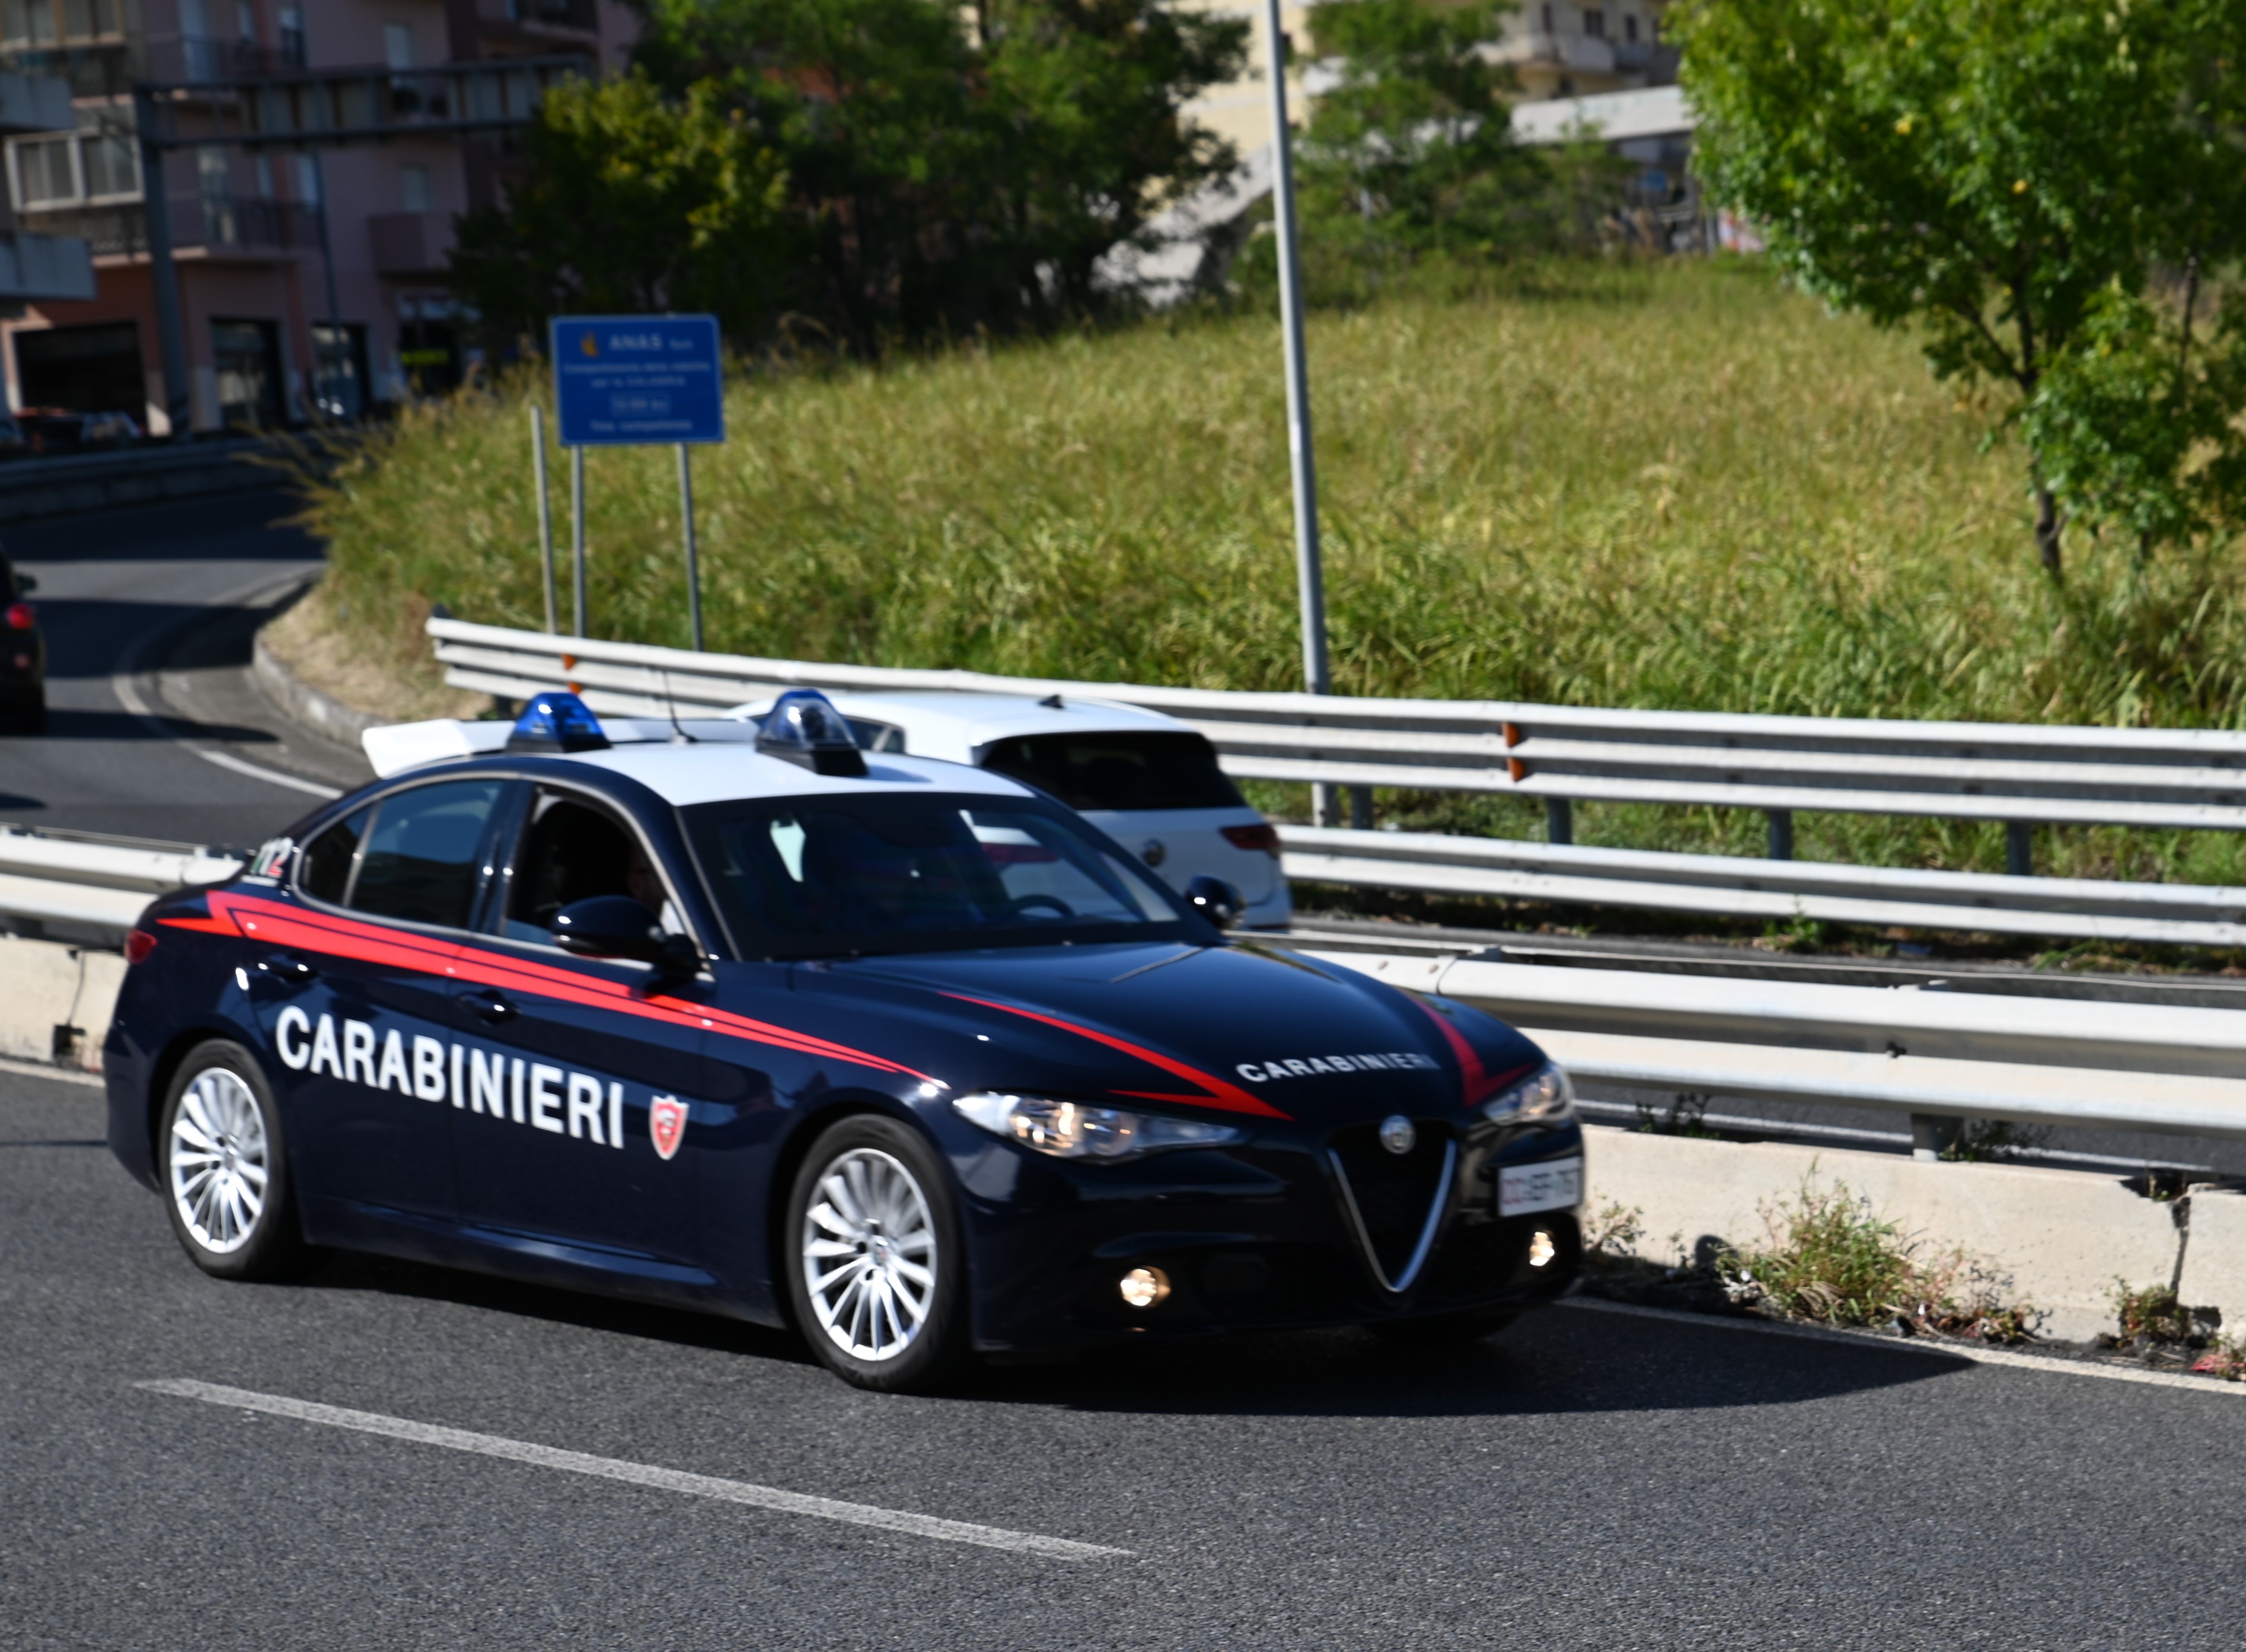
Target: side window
[572,851]
[324,871]
[420,863]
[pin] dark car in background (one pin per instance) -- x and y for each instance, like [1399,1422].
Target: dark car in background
[22,654]
[55,429]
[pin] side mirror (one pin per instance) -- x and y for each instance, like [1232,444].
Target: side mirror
[1216,900]
[616,926]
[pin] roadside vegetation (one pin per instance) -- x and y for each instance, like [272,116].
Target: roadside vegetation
[1666,484]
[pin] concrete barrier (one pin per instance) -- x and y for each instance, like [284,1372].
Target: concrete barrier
[2059,1237]
[34,488]
[56,1000]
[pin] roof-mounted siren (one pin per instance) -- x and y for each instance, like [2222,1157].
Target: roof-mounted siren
[557,722]
[804,728]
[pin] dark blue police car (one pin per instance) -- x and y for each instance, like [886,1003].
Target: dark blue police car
[902,1052]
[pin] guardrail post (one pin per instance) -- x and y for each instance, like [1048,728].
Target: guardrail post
[1559,820]
[2019,848]
[1360,807]
[1934,1134]
[1781,834]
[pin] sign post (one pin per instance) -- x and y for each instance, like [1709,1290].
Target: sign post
[545,509]
[631,381]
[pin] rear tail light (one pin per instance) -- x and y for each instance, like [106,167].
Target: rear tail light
[138,945]
[1264,837]
[22,616]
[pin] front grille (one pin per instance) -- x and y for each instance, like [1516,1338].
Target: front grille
[1394,1194]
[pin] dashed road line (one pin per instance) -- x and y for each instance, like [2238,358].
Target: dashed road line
[609,1468]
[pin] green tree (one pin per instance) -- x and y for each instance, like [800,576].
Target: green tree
[954,169]
[2045,187]
[632,202]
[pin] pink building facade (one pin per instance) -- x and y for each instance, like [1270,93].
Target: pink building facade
[312,283]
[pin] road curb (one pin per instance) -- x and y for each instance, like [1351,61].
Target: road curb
[299,701]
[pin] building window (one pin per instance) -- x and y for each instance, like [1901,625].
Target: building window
[1594,23]
[308,179]
[245,21]
[1630,27]
[46,174]
[398,45]
[291,19]
[101,162]
[413,190]
[247,355]
[1548,20]
[25,24]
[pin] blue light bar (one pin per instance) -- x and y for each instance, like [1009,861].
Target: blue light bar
[804,728]
[556,723]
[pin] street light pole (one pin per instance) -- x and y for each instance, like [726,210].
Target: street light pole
[1310,575]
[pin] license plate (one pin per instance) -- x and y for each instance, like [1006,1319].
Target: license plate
[1557,1184]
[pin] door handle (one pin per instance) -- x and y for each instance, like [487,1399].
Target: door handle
[486,1005]
[287,966]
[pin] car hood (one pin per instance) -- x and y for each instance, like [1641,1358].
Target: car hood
[1239,1030]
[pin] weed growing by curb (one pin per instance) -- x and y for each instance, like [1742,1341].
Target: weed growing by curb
[1830,1258]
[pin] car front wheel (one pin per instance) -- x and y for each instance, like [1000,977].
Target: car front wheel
[225,1177]
[877,1276]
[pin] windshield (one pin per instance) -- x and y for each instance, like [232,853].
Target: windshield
[1153,769]
[829,876]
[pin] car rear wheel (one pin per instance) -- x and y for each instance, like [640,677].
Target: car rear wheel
[876,1277]
[1444,1330]
[224,1176]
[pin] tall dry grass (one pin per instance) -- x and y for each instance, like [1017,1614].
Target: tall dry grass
[1663,486]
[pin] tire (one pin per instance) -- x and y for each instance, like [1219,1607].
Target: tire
[1444,1330]
[219,1134]
[875,1269]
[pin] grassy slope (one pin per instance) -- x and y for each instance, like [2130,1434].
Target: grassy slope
[1668,488]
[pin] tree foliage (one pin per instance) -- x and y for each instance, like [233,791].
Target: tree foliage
[1409,156]
[2048,188]
[934,170]
[632,202]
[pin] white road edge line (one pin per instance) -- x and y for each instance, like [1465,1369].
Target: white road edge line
[609,1468]
[61,1075]
[1978,1355]
[128,696]
[258,771]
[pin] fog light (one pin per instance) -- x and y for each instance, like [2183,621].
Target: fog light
[1541,1248]
[1146,1286]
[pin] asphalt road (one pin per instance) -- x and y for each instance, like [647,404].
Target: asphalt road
[153,729]
[1585,1480]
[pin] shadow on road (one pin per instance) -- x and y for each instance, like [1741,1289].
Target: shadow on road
[254,525]
[1556,1361]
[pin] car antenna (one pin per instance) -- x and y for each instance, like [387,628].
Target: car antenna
[678,736]
[1052,700]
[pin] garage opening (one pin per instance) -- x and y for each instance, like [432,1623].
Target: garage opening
[84,369]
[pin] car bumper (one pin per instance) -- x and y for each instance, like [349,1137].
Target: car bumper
[1257,1238]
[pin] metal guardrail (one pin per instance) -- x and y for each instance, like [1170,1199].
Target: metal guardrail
[97,883]
[1932,1055]
[2019,773]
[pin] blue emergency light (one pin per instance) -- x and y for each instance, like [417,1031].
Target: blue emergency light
[804,728]
[556,723]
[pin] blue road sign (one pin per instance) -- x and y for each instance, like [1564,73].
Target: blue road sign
[620,380]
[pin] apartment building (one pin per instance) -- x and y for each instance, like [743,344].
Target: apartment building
[1555,49]
[310,279]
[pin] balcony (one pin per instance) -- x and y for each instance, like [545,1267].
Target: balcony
[407,244]
[219,226]
[538,20]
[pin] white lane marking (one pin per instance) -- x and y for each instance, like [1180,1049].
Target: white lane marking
[128,695]
[609,1468]
[271,777]
[61,1075]
[1974,1352]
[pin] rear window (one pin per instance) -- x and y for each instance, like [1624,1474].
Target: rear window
[1155,770]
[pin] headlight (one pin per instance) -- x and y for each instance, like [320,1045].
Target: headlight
[1542,1098]
[1070,1130]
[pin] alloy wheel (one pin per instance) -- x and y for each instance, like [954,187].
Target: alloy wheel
[218,1161]
[870,1255]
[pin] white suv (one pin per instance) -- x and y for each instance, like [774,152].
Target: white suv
[1146,780]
